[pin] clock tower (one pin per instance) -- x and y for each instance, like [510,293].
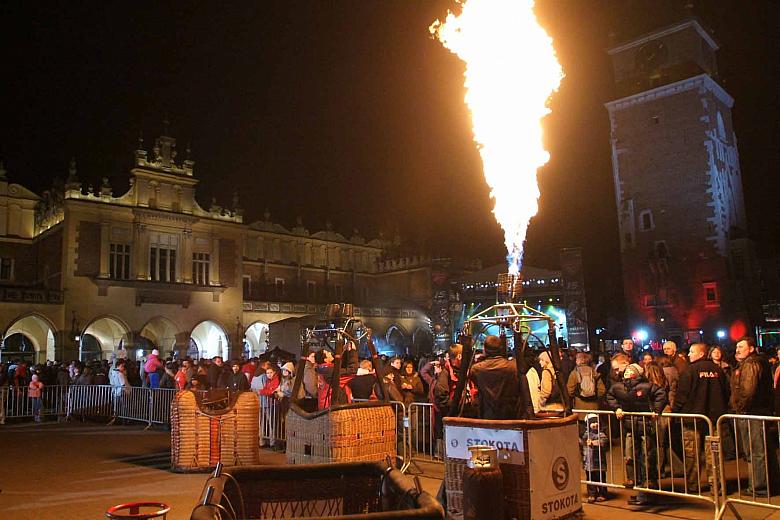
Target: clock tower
[686,262]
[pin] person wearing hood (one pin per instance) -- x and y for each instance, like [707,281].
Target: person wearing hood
[495,377]
[153,367]
[549,393]
[636,394]
[594,457]
[237,381]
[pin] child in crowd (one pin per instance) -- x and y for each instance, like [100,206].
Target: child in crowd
[594,458]
[34,393]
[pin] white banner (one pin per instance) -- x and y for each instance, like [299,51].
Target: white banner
[554,462]
[508,442]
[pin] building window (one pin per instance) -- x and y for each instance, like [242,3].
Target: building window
[649,300]
[162,264]
[200,268]
[247,285]
[6,269]
[119,261]
[711,297]
[311,290]
[279,286]
[338,292]
[646,220]
[661,251]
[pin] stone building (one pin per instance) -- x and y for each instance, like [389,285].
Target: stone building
[686,262]
[87,274]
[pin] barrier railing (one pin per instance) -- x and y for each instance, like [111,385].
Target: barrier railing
[272,421]
[625,454]
[132,405]
[160,400]
[756,439]
[424,436]
[17,403]
[90,401]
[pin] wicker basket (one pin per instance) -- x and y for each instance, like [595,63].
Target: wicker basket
[366,490]
[344,433]
[528,478]
[201,436]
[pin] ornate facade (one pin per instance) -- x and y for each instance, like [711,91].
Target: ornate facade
[86,274]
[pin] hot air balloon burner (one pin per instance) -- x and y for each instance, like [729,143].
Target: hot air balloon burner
[508,288]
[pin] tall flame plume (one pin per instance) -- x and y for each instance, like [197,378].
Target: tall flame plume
[511,71]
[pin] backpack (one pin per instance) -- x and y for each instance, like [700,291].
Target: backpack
[586,381]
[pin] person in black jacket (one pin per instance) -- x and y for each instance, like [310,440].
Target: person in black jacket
[237,381]
[637,394]
[702,389]
[495,377]
[217,374]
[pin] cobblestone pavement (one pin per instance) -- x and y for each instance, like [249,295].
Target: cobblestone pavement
[77,470]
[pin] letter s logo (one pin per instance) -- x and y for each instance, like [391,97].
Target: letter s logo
[560,473]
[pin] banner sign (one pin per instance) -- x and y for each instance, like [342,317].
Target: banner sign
[508,442]
[555,467]
[574,298]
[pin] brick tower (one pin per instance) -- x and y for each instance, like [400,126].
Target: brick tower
[686,262]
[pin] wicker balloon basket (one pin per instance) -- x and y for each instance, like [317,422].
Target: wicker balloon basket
[345,433]
[539,461]
[206,430]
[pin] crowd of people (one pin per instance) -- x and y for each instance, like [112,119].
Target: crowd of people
[706,381]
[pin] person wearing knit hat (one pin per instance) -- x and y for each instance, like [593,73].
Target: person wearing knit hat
[154,368]
[289,367]
[636,394]
[633,371]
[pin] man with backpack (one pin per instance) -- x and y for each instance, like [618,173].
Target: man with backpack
[585,386]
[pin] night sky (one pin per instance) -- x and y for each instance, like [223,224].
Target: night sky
[349,111]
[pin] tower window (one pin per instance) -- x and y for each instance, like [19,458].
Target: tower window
[711,298]
[661,251]
[646,220]
[656,120]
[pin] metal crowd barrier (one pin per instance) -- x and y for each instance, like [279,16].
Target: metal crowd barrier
[272,421]
[424,443]
[160,400]
[90,401]
[16,402]
[754,471]
[628,453]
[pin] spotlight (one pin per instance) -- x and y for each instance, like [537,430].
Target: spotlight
[641,335]
[721,334]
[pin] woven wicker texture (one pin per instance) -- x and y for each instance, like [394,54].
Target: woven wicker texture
[355,490]
[351,434]
[196,442]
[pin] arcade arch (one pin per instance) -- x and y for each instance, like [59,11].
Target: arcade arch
[395,338]
[107,333]
[256,338]
[30,337]
[160,333]
[210,339]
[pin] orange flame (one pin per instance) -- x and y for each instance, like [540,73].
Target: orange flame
[511,71]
